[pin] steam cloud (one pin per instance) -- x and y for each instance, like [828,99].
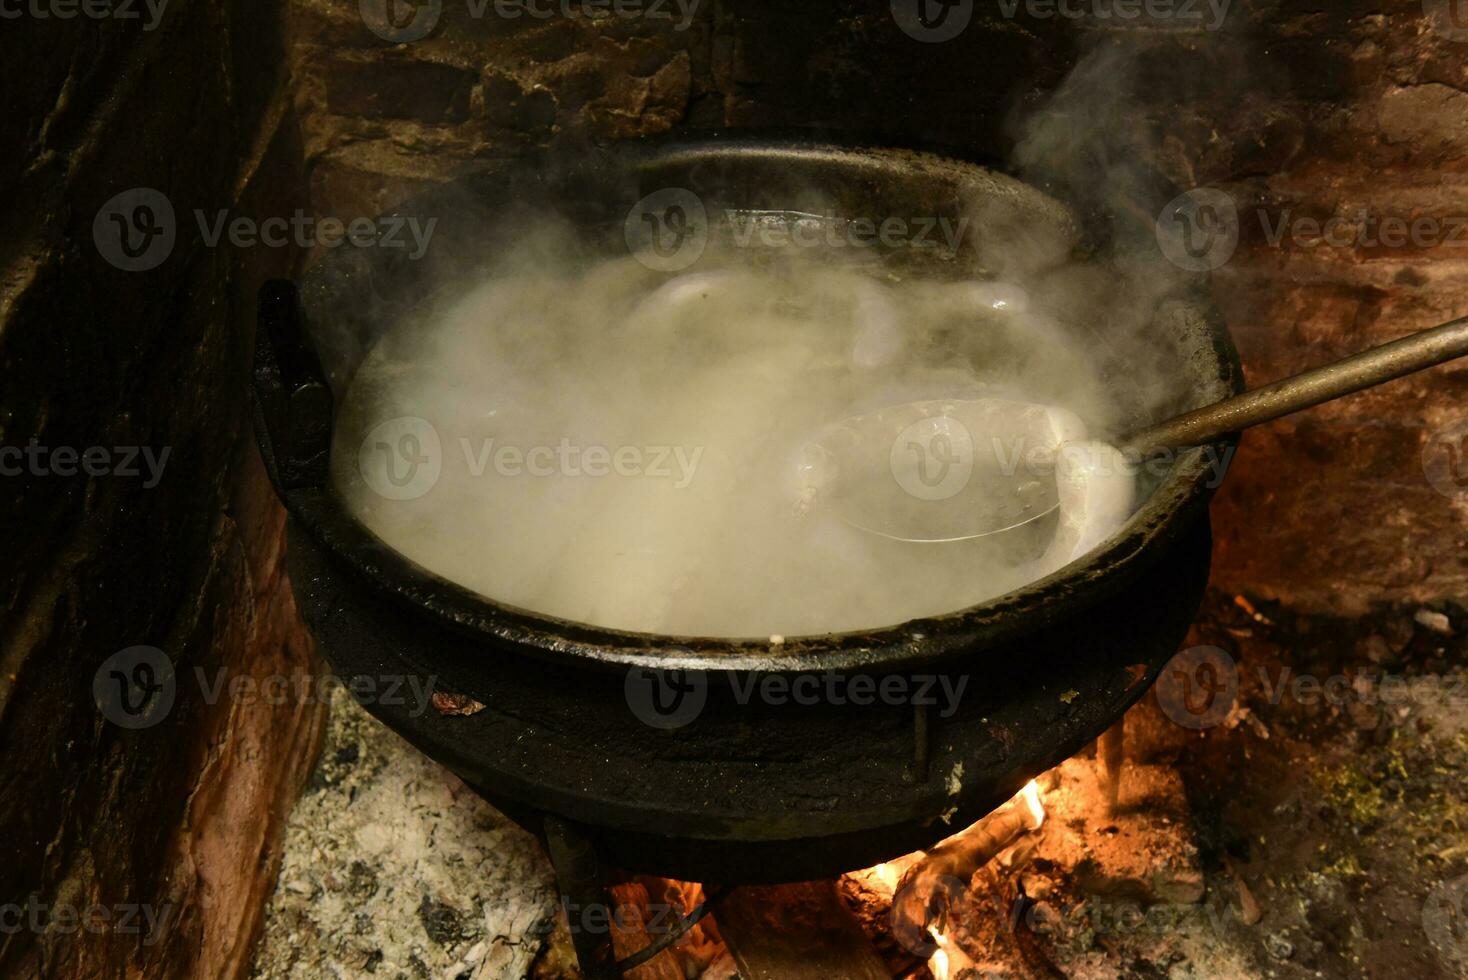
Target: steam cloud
[626,449]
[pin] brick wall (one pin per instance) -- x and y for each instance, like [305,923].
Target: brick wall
[1336,507]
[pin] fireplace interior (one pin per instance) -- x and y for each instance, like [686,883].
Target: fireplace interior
[249,737]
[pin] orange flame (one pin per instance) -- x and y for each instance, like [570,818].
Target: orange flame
[938,962]
[1031,796]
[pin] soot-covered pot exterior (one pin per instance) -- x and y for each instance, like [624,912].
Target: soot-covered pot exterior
[717,780]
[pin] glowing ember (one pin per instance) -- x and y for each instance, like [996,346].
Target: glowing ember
[887,875]
[920,885]
[938,962]
[1031,795]
[938,965]
[948,960]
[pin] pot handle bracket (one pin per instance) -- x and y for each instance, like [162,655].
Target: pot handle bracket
[293,404]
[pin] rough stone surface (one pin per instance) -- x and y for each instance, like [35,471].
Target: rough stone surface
[394,867]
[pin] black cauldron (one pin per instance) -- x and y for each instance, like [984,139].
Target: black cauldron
[747,791]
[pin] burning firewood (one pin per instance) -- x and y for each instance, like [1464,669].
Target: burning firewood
[930,886]
[1111,752]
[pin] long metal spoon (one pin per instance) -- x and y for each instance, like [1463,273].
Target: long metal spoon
[996,496]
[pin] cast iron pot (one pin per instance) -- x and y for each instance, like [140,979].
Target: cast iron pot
[653,745]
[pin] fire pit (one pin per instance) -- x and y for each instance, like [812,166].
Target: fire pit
[649,752]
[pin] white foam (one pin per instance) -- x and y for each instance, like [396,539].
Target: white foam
[735,369]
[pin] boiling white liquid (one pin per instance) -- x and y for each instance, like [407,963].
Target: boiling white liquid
[620,450]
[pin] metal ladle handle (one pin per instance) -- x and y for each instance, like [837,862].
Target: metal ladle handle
[1365,370]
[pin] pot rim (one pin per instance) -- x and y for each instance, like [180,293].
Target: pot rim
[1175,504]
